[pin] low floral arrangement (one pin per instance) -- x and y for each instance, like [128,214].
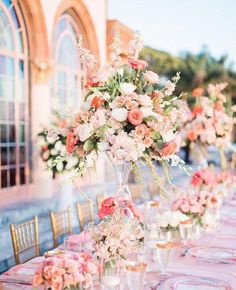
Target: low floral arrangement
[195,205]
[127,112]
[54,145]
[66,271]
[204,178]
[220,183]
[170,220]
[211,119]
[117,234]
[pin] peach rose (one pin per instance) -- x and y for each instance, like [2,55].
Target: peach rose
[169,148]
[147,142]
[71,140]
[140,130]
[97,102]
[197,110]
[37,280]
[135,117]
[198,92]
[192,135]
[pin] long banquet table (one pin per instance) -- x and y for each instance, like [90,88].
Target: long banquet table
[20,277]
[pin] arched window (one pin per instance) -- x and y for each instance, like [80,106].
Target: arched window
[14,104]
[69,75]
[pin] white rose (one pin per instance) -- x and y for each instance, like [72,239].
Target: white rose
[151,77]
[162,221]
[58,145]
[168,135]
[145,101]
[59,166]
[127,88]
[147,112]
[119,114]
[84,131]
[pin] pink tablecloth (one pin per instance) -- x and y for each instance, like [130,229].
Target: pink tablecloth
[20,277]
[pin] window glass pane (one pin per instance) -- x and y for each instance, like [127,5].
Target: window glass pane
[12,155]
[22,154]
[3,156]
[4,178]
[12,134]
[3,133]
[22,175]
[22,112]
[14,18]
[7,65]
[22,133]
[21,91]
[3,111]
[12,177]
[11,111]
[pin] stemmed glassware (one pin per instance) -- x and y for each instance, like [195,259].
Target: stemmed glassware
[135,274]
[164,251]
[186,231]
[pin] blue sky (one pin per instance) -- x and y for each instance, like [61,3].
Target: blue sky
[180,25]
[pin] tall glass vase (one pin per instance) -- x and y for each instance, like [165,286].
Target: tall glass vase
[122,171]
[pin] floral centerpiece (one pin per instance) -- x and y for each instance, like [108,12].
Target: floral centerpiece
[66,271]
[170,220]
[127,113]
[210,121]
[116,236]
[195,205]
[55,144]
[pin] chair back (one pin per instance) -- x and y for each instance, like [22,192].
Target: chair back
[61,224]
[25,240]
[100,199]
[85,212]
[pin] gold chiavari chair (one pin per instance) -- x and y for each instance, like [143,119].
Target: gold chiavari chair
[85,212]
[61,224]
[137,192]
[100,199]
[25,240]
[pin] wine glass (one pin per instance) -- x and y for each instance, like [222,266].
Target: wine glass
[186,230]
[164,251]
[135,274]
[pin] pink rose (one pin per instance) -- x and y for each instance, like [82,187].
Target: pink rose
[71,140]
[135,117]
[151,77]
[108,201]
[184,207]
[169,148]
[138,64]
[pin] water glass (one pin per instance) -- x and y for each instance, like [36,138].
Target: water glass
[186,231]
[135,274]
[164,251]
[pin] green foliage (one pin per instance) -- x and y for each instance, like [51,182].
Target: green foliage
[197,70]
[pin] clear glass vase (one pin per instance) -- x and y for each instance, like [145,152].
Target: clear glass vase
[122,171]
[109,276]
